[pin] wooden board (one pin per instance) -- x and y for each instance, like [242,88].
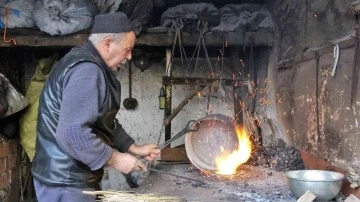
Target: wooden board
[307,197]
[174,154]
[352,198]
[203,81]
[36,38]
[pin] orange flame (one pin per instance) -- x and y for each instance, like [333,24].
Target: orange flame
[227,163]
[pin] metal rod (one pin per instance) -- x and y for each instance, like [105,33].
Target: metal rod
[161,131]
[208,101]
[355,71]
[182,104]
[166,173]
[130,79]
[310,54]
[168,89]
[168,62]
[317,94]
[204,81]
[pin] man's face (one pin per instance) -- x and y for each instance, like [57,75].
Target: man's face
[120,51]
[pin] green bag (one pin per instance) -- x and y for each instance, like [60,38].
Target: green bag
[29,119]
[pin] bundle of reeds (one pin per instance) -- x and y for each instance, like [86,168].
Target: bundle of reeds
[116,196]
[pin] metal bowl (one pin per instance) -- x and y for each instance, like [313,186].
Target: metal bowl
[325,185]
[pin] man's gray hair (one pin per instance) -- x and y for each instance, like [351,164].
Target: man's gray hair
[99,37]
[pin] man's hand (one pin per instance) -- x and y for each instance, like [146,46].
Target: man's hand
[125,163]
[150,151]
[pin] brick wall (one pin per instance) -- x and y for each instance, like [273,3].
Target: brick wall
[9,170]
[12,66]
[8,154]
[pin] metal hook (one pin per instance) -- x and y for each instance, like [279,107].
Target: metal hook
[204,27]
[336,57]
[177,24]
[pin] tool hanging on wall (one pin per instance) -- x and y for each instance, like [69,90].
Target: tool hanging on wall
[202,28]
[141,60]
[177,27]
[336,56]
[130,102]
[162,97]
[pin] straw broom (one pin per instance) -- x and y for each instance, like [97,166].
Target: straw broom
[116,196]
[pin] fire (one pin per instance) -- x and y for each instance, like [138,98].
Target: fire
[226,162]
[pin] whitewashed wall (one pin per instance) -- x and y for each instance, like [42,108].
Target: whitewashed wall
[144,123]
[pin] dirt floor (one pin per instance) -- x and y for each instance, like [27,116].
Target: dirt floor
[251,183]
[260,180]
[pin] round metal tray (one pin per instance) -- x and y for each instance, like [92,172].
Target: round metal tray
[216,134]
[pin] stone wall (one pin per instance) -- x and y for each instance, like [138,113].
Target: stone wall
[314,111]
[310,23]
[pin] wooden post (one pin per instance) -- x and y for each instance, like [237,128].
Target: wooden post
[168,90]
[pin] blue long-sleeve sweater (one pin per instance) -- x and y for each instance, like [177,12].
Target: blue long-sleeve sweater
[84,90]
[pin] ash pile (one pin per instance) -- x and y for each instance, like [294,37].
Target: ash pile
[280,158]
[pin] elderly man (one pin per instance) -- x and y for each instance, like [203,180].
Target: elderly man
[77,133]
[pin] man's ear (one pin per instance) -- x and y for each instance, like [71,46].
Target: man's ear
[106,44]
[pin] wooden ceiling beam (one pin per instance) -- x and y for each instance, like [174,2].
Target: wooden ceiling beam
[36,38]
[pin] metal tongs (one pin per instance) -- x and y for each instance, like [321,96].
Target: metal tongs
[180,134]
[162,146]
[187,129]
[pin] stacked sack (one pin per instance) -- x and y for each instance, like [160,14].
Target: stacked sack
[61,17]
[16,14]
[190,14]
[252,17]
[55,17]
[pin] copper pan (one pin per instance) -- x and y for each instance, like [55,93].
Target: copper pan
[216,134]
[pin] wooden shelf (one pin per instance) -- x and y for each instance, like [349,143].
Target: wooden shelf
[36,38]
[203,81]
